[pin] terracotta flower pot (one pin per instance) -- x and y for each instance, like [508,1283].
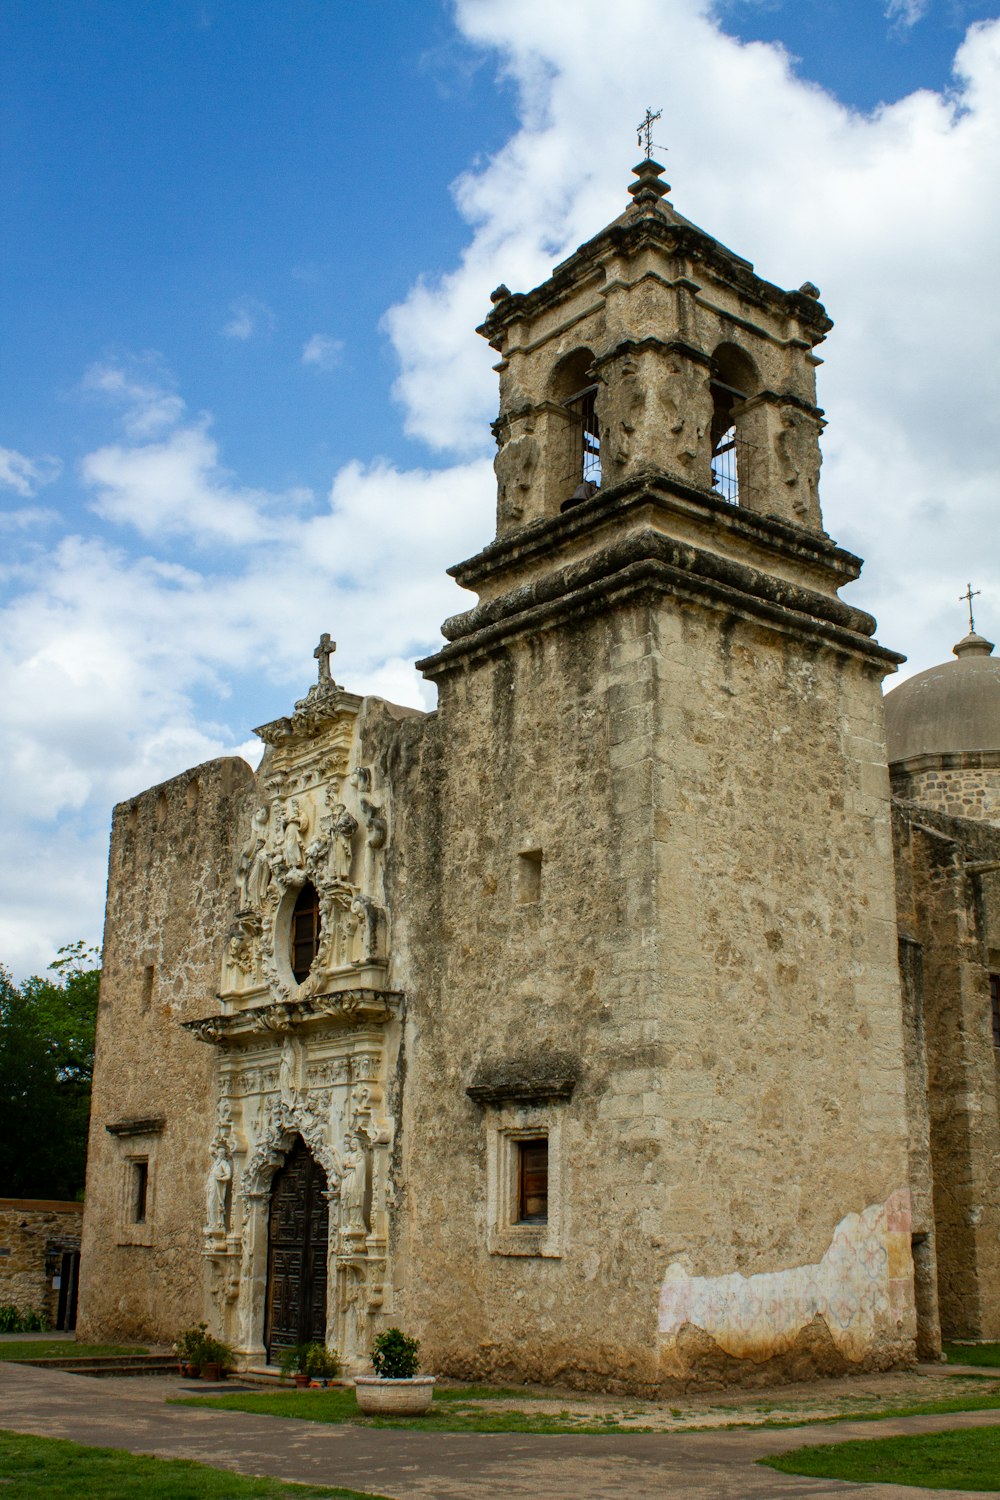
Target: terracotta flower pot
[394,1398]
[189,1370]
[301,1379]
[210,1372]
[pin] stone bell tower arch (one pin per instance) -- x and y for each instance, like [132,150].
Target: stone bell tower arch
[671,335]
[661,858]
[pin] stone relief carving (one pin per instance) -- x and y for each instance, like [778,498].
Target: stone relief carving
[796,443]
[515,466]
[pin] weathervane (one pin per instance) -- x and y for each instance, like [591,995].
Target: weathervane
[644,131]
[323,652]
[967,598]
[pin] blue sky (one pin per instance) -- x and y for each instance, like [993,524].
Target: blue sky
[241,398]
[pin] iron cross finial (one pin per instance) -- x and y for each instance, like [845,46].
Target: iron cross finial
[967,598]
[323,652]
[644,130]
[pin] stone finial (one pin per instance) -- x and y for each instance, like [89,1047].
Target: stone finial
[499,294]
[647,189]
[973,644]
[323,652]
[810,289]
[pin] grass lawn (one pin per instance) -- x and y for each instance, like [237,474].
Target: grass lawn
[62,1349]
[973,1354]
[57,1470]
[968,1459]
[452,1411]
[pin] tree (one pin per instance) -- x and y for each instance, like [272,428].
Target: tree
[46,1063]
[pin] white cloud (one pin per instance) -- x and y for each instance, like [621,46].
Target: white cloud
[140,388]
[26,476]
[114,669]
[905,13]
[321,351]
[890,213]
[247,317]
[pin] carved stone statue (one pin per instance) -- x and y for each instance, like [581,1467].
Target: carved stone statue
[255,873]
[345,826]
[375,823]
[286,1073]
[216,1189]
[291,846]
[354,1181]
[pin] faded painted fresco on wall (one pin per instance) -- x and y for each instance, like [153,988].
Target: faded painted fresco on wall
[859,1288]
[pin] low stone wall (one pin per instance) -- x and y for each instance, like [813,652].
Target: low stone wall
[34,1233]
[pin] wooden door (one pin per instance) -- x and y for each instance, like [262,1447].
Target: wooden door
[296,1258]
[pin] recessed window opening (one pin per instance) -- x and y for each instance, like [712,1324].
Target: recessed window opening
[533,1180]
[140,1190]
[305,931]
[995,1007]
[529,876]
[733,381]
[583,409]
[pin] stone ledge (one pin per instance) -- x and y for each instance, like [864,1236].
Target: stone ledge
[370,1006]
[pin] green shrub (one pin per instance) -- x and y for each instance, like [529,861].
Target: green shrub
[189,1346]
[12,1320]
[314,1360]
[395,1356]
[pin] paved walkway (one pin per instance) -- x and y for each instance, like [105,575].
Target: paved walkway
[131,1414]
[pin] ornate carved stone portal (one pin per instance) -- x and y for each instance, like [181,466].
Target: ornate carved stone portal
[302,1067]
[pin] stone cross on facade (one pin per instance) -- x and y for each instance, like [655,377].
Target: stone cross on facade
[644,130]
[968,596]
[323,652]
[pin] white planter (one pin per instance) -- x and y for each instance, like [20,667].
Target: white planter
[394,1398]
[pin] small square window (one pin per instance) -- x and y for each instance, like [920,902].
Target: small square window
[533,1180]
[140,1190]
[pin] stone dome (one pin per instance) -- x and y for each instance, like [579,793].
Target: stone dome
[951,709]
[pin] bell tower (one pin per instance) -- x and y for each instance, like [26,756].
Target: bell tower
[654,349]
[664,1010]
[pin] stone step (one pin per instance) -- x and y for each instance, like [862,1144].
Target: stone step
[108,1364]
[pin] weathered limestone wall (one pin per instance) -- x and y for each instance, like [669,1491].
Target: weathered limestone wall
[173,854]
[950,784]
[713,948]
[30,1230]
[949,903]
[784,1168]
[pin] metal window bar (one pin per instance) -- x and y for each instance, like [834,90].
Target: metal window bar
[582,408]
[731,468]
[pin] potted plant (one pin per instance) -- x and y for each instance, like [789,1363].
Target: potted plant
[395,1389]
[189,1347]
[216,1358]
[310,1362]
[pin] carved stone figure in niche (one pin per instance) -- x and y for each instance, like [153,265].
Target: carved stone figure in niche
[292,836]
[367,914]
[361,779]
[799,459]
[345,826]
[515,466]
[286,1073]
[217,1188]
[353,1183]
[255,873]
[353,1314]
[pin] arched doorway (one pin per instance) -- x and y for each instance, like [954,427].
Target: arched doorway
[296,1254]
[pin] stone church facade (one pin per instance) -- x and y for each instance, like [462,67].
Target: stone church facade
[564,1026]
